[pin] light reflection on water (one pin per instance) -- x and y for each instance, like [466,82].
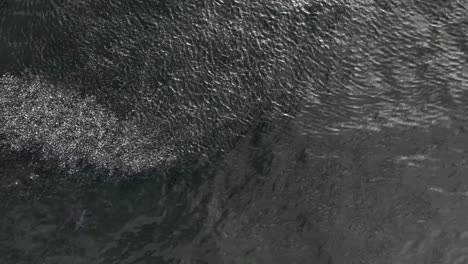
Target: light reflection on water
[372,171]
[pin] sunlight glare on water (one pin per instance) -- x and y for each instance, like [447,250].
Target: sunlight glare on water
[233,132]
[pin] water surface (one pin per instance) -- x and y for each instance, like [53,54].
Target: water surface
[369,167]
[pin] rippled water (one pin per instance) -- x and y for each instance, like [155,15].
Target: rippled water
[246,132]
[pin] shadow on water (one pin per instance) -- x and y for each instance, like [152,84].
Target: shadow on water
[165,218]
[281,195]
[103,223]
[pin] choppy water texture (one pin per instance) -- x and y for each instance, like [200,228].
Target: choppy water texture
[246,132]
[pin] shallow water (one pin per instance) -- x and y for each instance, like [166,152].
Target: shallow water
[370,167]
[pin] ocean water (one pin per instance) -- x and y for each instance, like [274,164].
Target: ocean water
[233,132]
